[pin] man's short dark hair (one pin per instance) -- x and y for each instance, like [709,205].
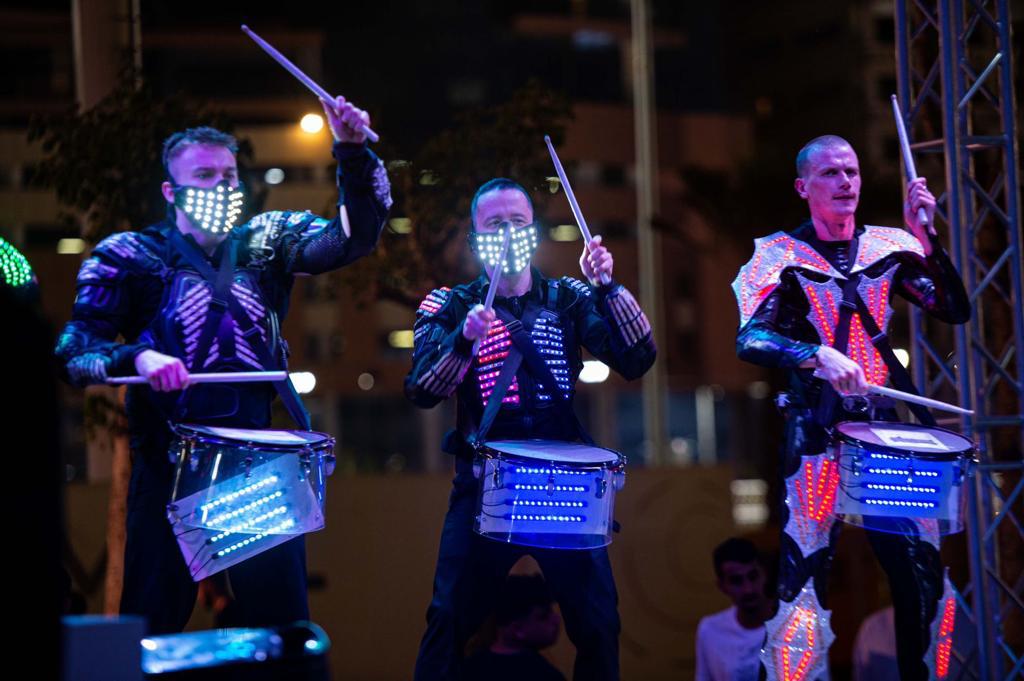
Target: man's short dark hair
[494,185]
[803,158]
[734,550]
[176,144]
[519,596]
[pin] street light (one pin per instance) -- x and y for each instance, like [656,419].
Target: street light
[564,233]
[70,246]
[403,339]
[312,123]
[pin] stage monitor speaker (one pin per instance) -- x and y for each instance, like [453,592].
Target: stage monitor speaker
[102,648]
[297,653]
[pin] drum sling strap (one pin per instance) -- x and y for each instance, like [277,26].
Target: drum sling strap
[523,349]
[852,302]
[223,300]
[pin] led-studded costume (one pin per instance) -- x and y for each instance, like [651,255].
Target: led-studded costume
[789,297]
[561,316]
[139,291]
[15,271]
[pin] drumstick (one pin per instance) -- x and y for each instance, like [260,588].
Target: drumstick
[917,399]
[303,78]
[577,213]
[228,377]
[908,157]
[492,288]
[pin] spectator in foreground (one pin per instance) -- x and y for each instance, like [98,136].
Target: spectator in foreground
[525,624]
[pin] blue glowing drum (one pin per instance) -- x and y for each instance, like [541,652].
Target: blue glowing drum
[892,473]
[547,493]
[239,492]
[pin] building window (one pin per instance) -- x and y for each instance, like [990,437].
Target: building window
[885,29]
[886,87]
[613,175]
[313,345]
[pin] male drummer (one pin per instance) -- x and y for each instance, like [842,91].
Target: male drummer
[560,316]
[195,293]
[791,297]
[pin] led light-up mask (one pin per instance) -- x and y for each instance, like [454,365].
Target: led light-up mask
[487,247]
[215,209]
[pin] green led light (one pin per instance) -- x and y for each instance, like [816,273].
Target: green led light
[14,266]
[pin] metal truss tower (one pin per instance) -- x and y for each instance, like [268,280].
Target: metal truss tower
[956,85]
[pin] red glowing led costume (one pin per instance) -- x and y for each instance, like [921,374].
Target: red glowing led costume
[789,296]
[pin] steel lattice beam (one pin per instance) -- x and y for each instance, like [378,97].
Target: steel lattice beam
[956,83]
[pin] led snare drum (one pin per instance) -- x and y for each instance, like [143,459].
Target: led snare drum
[547,493]
[890,471]
[240,492]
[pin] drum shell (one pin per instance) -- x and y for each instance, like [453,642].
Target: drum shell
[541,503]
[901,490]
[232,499]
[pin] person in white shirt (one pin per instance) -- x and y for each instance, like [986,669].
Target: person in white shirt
[729,642]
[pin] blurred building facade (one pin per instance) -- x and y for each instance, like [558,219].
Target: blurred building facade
[355,348]
[725,105]
[739,88]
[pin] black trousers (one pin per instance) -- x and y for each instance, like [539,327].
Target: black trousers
[471,569]
[911,563]
[269,589]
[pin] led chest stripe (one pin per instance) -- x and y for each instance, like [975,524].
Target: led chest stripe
[902,488]
[228,498]
[550,471]
[246,525]
[547,504]
[287,524]
[553,488]
[251,506]
[897,502]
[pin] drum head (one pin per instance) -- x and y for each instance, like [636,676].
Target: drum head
[554,450]
[904,439]
[273,438]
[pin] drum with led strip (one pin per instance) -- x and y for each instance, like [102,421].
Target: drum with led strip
[547,493]
[239,492]
[895,476]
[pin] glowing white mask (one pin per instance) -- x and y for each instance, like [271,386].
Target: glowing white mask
[215,210]
[488,247]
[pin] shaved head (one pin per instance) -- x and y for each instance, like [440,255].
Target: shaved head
[803,159]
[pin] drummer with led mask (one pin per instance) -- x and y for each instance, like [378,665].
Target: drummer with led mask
[562,316]
[202,292]
[791,296]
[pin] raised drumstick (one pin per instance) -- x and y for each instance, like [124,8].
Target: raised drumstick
[577,213]
[492,287]
[908,157]
[303,78]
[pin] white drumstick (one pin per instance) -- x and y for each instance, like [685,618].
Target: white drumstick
[492,288]
[303,78]
[224,377]
[576,212]
[917,399]
[908,156]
